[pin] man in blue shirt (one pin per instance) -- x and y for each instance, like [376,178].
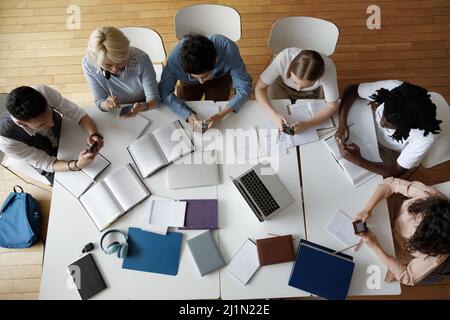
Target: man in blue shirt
[205,66]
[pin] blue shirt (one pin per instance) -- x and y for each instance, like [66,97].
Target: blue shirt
[229,59]
[137,83]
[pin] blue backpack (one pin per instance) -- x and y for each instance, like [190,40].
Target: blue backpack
[20,220]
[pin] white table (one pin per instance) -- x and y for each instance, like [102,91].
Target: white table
[70,227]
[326,189]
[237,221]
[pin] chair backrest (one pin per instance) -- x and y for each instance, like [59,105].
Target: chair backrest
[208,19]
[303,32]
[147,40]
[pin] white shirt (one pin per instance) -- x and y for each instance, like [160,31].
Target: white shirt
[35,157]
[413,149]
[280,66]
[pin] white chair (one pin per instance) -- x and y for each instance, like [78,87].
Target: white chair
[440,151]
[208,19]
[303,32]
[150,42]
[18,167]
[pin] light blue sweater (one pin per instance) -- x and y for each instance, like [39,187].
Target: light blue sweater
[137,83]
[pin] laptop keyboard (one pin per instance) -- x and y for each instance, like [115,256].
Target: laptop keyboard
[259,193]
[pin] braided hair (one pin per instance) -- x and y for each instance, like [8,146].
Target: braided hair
[408,107]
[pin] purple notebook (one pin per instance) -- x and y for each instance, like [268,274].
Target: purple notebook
[200,214]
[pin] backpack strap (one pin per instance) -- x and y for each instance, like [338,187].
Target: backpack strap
[10,198]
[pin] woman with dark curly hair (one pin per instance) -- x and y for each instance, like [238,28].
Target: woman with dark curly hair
[421,230]
[405,122]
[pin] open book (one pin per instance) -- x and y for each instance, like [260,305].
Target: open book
[160,148]
[355,173]
[313,107]
[77,182]
[118,193]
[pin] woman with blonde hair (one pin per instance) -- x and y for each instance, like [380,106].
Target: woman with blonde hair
[299,74]
[118,73]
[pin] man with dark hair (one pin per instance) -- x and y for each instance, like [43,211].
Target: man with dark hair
[30,129]
[204,66]
[405,122]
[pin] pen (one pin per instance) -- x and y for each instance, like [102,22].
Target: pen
[356,244]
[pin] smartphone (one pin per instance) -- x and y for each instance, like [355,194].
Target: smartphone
[125,110]
[360,227]
[93,147]
[288,129]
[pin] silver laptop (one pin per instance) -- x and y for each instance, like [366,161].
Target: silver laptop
[265,193]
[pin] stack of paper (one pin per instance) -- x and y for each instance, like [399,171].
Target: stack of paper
[164,213]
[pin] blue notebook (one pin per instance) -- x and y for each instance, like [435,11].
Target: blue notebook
[318,271]
[151,252]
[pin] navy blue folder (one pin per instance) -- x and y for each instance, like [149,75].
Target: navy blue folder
[318,271]
[151,252]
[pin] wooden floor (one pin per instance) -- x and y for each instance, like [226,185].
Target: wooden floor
[36,47]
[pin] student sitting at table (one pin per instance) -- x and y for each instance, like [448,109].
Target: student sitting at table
[405,122]
[205,66]
[420,229]
[30,129]
[119,74]
[299,74]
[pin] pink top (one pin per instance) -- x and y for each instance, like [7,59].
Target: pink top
[409,268]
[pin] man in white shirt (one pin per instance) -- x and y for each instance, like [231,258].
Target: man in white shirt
[299,74]
[30,129]
[405,122]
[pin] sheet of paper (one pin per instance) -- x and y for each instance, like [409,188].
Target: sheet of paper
[245,262]
[168,213]
[307,136]
[315,107]
[340,226]
[126,187]
[96,167]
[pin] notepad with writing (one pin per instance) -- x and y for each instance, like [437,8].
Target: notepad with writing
[340,226]
[245,262]
[201,214]
[118,193]
[77,182]
[151,252]
[205,252]
[160,148]
[87,277]
[275,250]
[321,272]
[356,174]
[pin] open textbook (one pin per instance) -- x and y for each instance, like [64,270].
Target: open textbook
[160,148]
[369,151]
[313,107]
[77,182]
[118,193]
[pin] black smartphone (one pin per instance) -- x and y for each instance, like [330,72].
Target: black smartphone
[93,147]
[125,110]
[360,227]
[288,129]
